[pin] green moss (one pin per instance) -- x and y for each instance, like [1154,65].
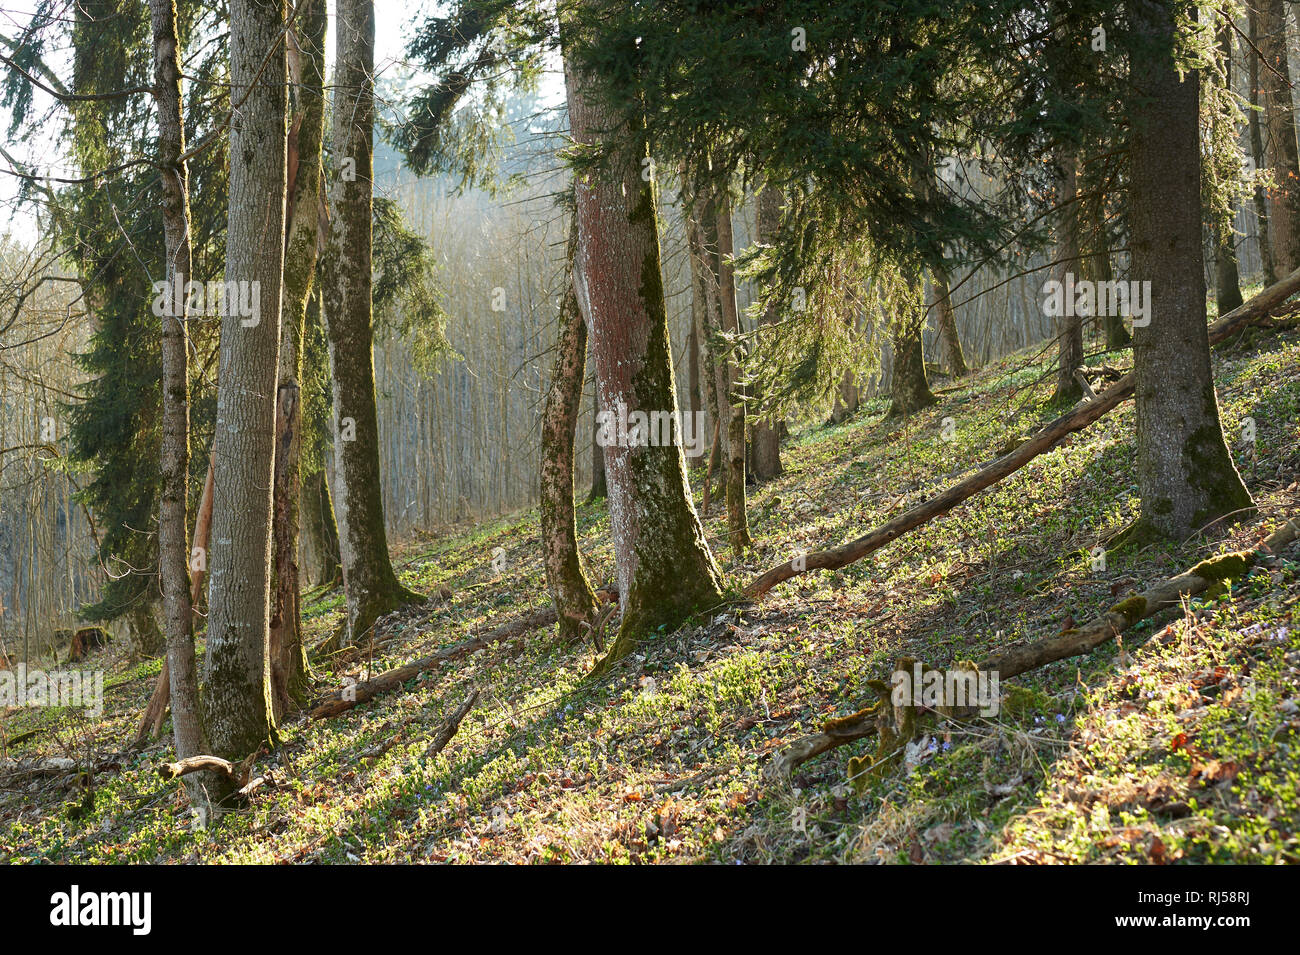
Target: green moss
[1132,609]
[1231,566]
[1019,701]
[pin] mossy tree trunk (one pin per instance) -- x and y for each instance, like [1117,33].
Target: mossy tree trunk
[173,518]
[767,432]
[288,656]
[909,389]
[1281,150]
[737,518]
[705,285]
[369,583]
[1069,324]
[951,357]
[236,698]
[848,397]
[665,569]
[599,486]
[1185,474]
[575,602]
[318,517]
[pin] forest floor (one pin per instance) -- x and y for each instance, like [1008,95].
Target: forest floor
[1182,748]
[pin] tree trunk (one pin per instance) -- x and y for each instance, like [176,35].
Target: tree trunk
[951,357]
[1280,136]
[737,519]
[318,512]
[1227,284]
[767,434]
[575,601]
[288,656]
[1069,324]
[909,390]
[665,569]
[173,518]
[369,583]
[1185,474]
[1257,151]
[848,397]
[698,234]
[237,695]
[599,487]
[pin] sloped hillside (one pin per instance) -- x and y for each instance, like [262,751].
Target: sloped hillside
[1178,744]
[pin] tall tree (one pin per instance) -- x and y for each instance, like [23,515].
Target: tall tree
[236,697]
[1185,474]
[1250,50]
[173,519]
[737,519]
[665,568]
[288,656]
[1280,146]
[575,603]
[767,432]
[369,583]
[1069,324]
[909,388]
[1227,284]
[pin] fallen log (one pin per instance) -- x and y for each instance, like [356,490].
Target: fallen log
[1070,643]
[1044,440]
[55,766]
[199,764]
[449,728]
[345,698]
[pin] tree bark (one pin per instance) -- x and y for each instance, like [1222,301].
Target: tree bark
[1280,146]
[369,583]
[318,511]
[575,601]
[665,569]
[181,672]
[951,357]
[767,433]
[1186,476]
[151,720]
[1254,126]
[599,486]
[288,655]
[237,695]
[704,289]
[1069,325]
[909,389]
[737,518]
[1227,285]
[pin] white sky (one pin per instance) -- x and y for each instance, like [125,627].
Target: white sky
[392,29]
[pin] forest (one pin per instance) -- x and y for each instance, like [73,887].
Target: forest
[587,431]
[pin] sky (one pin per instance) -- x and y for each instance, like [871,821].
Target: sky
[392,28]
